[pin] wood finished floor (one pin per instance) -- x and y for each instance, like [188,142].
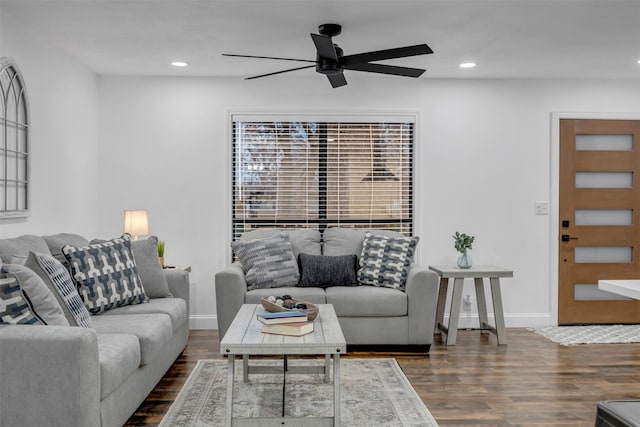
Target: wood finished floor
[531,381]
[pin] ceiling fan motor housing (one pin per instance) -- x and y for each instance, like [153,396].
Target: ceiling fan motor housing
[328,65]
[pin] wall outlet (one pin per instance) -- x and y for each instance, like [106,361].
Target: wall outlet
[467,301]
[542,208]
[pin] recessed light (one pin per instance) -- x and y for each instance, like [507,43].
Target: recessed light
[638,61]
[179,64]
[467,65]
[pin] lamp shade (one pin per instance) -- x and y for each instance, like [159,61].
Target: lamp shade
[136,223]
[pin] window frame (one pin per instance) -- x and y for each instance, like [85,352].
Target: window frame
[22,158]
[367,117]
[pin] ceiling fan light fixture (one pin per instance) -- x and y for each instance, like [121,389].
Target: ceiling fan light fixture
[467,65]
[179,64]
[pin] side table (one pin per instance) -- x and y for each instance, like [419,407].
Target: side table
[477,273]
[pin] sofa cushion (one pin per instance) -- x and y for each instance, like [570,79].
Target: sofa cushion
[56,242]
[15,308]
[367,301]
[44,303]
[312,295]
[324,270]
[344,241]
[153,331]
[268,262]
[119,357]
[58,280]
[20,247]
[106,274]
[154,283]
[385,261]
[303,240]
[175,308]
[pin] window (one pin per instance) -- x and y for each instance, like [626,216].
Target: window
[354,172]
[14,142]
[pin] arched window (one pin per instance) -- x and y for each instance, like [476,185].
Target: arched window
[14,142]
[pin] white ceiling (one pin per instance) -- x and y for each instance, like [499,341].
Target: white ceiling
[508,38]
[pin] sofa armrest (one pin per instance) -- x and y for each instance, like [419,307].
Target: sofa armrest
[49,375]
[178,281]
[231,287]
[422,292]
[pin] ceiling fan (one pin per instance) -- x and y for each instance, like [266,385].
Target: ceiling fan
[331,62]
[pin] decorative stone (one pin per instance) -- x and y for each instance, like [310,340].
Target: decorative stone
[271,299]
[286,297]
[279,302]
[301,306]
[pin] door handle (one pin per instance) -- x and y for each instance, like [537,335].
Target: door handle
[566,238]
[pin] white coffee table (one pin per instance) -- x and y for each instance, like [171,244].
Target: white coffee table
[627,288]
[244,337]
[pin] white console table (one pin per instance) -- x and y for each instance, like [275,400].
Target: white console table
[627,288]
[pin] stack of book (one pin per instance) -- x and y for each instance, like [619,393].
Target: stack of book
[294,323]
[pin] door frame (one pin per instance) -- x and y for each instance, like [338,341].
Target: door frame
[554,196]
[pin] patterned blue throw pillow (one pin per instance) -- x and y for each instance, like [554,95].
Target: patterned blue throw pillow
[56,277]
[15,307]
[385,261]
[106,274]
[268,263]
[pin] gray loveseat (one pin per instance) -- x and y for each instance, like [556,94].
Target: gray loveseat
[89,376]
[368,315]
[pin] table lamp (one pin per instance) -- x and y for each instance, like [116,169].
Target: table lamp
[136,223]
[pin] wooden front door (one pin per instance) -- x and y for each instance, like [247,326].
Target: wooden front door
[599,212]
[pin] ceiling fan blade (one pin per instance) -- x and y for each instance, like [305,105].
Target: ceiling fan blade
[279,72]
[337,80]
[324,46]
[386,69]
[268,57]
[379,55]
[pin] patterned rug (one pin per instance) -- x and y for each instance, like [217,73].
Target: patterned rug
[592,334]
[374,392]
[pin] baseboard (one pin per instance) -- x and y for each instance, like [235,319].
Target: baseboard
[467,320]
[514,320]
[203,321]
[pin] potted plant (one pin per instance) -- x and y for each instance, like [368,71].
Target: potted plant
[464,242]
[161,252]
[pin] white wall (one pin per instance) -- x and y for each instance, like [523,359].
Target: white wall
[482,157]
[101,145]
[64,122]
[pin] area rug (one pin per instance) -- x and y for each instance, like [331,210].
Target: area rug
[374,392]
[592,334]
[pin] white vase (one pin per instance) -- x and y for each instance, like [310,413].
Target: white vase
[464,260]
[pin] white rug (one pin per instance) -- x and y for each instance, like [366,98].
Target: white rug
[374,392]
[592,334]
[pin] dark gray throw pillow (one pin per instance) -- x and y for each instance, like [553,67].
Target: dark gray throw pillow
[324,271]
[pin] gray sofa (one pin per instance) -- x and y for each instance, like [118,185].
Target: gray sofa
[79,376]
[368,315]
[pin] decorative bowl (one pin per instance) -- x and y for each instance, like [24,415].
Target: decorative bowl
[311,310]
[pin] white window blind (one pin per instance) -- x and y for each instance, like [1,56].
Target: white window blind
[319,174]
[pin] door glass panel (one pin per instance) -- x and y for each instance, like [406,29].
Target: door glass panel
[604,179]
[604,142]
[602,254]
[604,216]
[591,292]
